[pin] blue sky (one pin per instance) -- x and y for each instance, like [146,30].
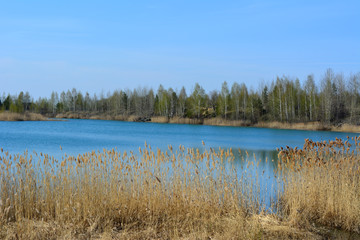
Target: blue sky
[106,45]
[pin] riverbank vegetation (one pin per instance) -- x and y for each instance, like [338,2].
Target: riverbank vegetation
[333,102]
[181,194]
[27,116]
[322,184]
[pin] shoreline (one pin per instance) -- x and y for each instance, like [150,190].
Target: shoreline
[307,126]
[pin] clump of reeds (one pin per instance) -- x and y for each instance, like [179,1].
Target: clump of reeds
[150,194]
[27,116]
[322,184]
[313,126]
[184,120]
[160,119]
[217,121]
[346,128]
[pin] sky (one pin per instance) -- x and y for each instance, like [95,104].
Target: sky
[102,46]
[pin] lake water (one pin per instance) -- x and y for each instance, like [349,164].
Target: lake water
[80,136]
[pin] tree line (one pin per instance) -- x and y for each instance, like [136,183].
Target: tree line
[335,100]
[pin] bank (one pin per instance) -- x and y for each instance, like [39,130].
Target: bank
[216,121]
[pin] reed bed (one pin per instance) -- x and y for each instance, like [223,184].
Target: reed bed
[310,126]
[27,116]
[217,121]
[152,194]
[180,193]
[322,184]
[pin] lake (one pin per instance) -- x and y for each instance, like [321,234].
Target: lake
[80,136]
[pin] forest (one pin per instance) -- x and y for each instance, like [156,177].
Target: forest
[335,100]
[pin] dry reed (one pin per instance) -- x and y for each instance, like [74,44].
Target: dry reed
[322,184]
[10,116]
[178,193]
[311,126]
[346,128]
[225,122]
[160,119]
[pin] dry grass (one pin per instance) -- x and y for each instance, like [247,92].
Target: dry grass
[312,126]
[207,121]
[346,128]
[150,195]
[70,115]
[224,122]
[160,119]
[87,115]
[84,115]
[179,194]
[176,120]
[322,184]
[180,120]
[173,194]
[10,116]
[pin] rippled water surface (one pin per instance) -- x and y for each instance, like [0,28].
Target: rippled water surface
[79,136]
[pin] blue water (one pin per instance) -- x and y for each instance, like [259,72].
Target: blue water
[80,136]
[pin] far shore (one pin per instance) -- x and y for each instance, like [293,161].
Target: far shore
[310,126]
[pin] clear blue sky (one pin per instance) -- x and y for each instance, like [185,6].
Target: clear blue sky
[106,45]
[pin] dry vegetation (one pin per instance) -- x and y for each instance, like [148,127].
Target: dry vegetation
[225,122]
[311,126]
[216,121]
[322,184]
[174,194]
[207,121]
[179,194]
[10,116]
[177,120]
[346,128]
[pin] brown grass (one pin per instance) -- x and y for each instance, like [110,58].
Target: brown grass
[322,184]
[176,120]
[346,128]
[10,116]
[180,120]
[224,122]
[180,194]
[121,193]
[207,121]
[160,119]
[312,126]
[174,194]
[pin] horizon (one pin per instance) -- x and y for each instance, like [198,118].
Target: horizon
[101,47]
